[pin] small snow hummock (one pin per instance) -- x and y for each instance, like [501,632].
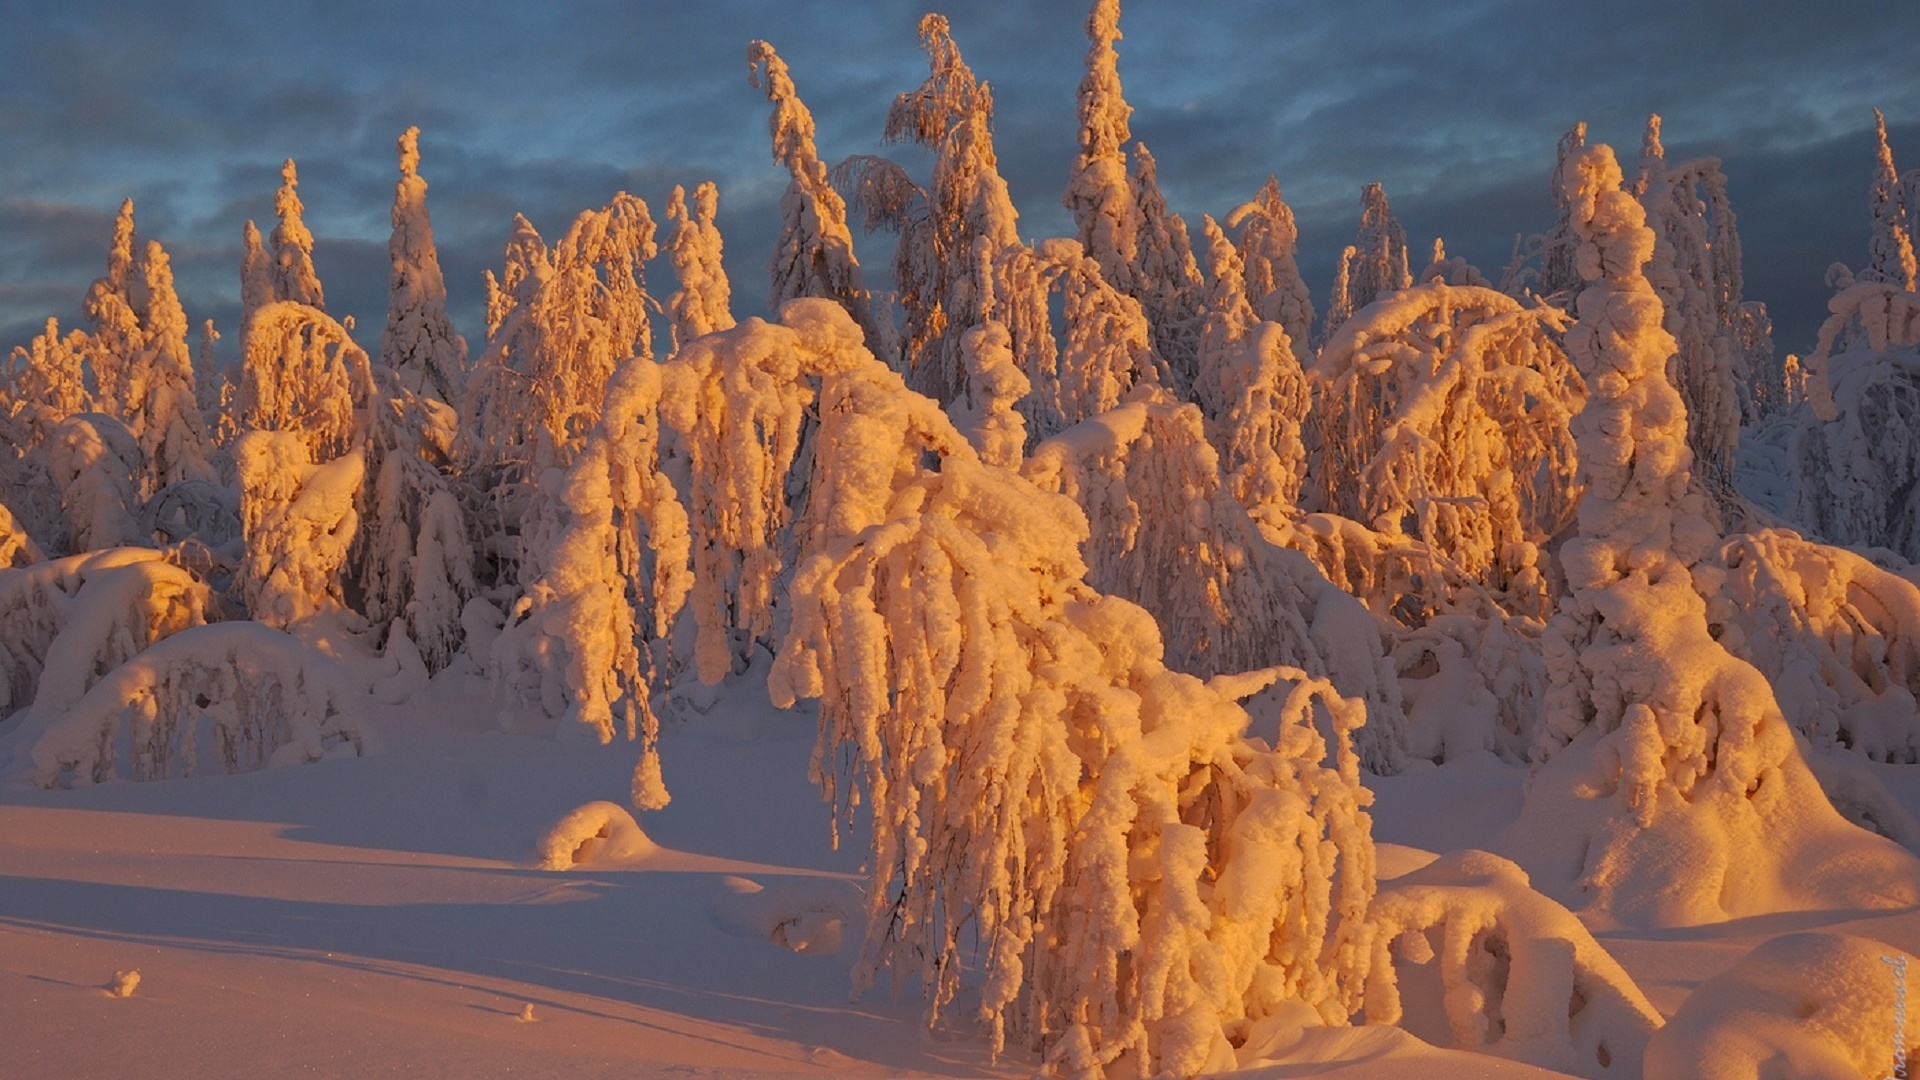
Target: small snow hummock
[124,983]
[1819,1006]
[598,833]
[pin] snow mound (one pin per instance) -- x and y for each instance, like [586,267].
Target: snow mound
[1814,1006]
[805,916]
[1519,976]
[598,833]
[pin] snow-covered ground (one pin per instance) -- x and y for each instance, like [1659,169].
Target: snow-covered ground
[384,916]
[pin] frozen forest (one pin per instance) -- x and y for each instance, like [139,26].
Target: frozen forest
[1187,660]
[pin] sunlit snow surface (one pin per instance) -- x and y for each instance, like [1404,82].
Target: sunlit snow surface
[382,916]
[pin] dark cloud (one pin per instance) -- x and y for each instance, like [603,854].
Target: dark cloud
[547,109]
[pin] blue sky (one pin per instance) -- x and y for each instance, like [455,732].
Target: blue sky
[546,109]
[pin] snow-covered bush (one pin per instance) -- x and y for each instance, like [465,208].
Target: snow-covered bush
[1678,792]
[1040,782]
[1470,684]
[1443,415]
[1519,976]
[1813,1005]
[596,833]
[140,600]
[235,695]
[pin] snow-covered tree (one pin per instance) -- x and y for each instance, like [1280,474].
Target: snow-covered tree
[1696,272]
[1452,269]
[419,342]
[116,313]
[299,519]
[1167,279]
[95,464]
[1554,279]
[579,640]
[814,253]
[162,398]
[985,412]
[1099,193]
[971,218]
[1890,256]
[1022,747]
[1378,265]
[257,287]
[703,303]
[1167,533]
[1252,388]
[1442,415]
[1107,354]
[1679,791]
[17,548]
[1856,455]
[1268,240]
[293,274]
[298,371]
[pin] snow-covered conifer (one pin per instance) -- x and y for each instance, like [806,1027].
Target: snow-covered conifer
[1268,239]
[293,274]
[256,275]
[1340,299]
[162,398]
[814,253]
[115,312]
[1099,193]
[1252,388]
[1452,269]
[95,464]
[299,519]
[16,544]
[580,639]
[1379,263]
[971,217]
[1107,354]
[419,341]
[703,303]
[1555,279]
[1890,256]
[1167,279]
[1683,796]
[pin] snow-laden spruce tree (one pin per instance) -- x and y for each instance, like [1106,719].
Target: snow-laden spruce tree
[41,384]
[703,303]
[1141,880]
[1696,271]
[1267,242]
[1099,194]
[162,398]
[300,461]
[257,288]
[970,216]
[986,412]
[293,275]
[1674,781]
[1167,279]
[1251,387]
[579,641]
[1890,256]
[1443,417]
[1542,264]
[115,309]
[419,342]
[1107,353]
[813,255]
[94,462]
[1452,269]
[1856,454]
[1168,534]
[1378,265]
